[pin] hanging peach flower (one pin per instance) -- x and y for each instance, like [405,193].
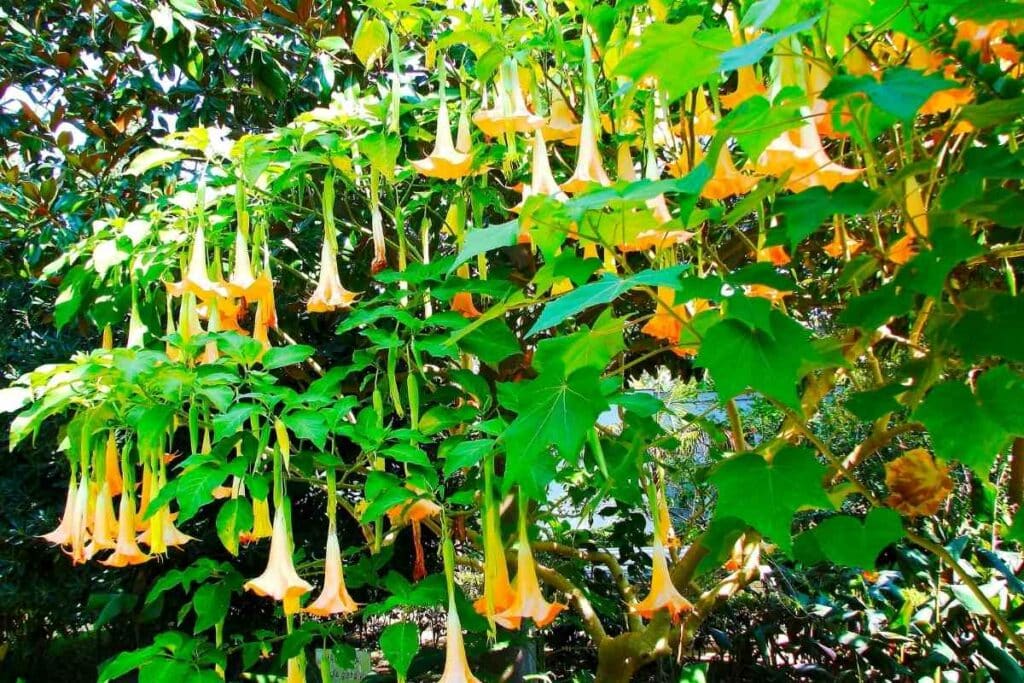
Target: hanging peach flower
[197,277]
[510,113]
[542,182]
[776,296]
[462,303]
[126,550]
[664,594]
[776,255]
[668,319]
[498,594]
[456,667]
[702,120]
[329,294]
[561,125]
[747,85]
[589,167]
[727,181]
[104,523]
[917,482]
[801,154]
[78,532]
[915,224]
[334,599]
[414,513]
[62,534]
[444,162]
[112,465]
[261,527]
[842,243]
[171,536]
[280,581]
[527,600]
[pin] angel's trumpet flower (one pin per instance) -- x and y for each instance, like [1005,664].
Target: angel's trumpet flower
[915,226]
[589,167]
[561,125]
[78,532]
[136,328]
[112,465]
[527,601]
[197,277]
[329,294]
[542,182]
[510,113]
[842,243]
[727,181]
[62,534]
[104,523]
[655,238]
[413,513]
[747,85]
[444,162]
[821,109]
[456,667]
[668,319]
[664,594]
[261,327]
[127,550]
[463,136]
[170,537]
[334,599]
[242,282]
[775,255]
[498,594]
[703,119]
[802,154]
[261,527]
[280,581]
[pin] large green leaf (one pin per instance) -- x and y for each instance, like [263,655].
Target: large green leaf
[901,92]
[400,642]
[766,495]
[766,360]
[553,410]
[974,428]
[847,541]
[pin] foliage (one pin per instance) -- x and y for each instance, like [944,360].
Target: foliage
[832,261]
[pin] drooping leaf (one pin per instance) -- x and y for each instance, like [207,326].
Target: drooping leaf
[400,642]
[848,541]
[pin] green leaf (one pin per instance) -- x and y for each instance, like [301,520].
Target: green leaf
[308,424]
[127,662]
[370,39]
[210,603]
[482,240]
[235,517]
[280,356]
[901,92]
[846,541]
[194,489]
[400,642]
[805,213]
[465,454]
[926,273]
[408,453]
[993,112]
[755,123]
[992,326]
[587,348]
[607,289]
[766,495]
[382,150]
[492,342]
[768,361]
[974,428]
[552,411]
[227,424]
[154,158]
[332,44]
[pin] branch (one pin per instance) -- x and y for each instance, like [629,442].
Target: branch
[598,557]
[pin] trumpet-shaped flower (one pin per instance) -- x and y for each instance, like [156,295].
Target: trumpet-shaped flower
[126,550]
[664,594]
[915,225]
[456,667]
[104,523]
[462,303]
[329,294]
[62,534]
[280,581]
[542,182]
[803,156]
[498,593]
[78,532]
[727,181]
[527,600]
[510,113]
[334,599]
[776,255]
[701,121]
[112,465]
[444,162]
[197,277]
[589,167]
[261,526]
[668,319]
[747,86]
[561,125]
